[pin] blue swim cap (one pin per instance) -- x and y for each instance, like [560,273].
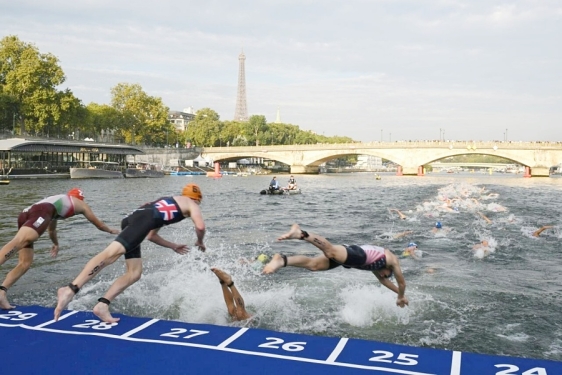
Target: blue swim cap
[412,244]
[438,225]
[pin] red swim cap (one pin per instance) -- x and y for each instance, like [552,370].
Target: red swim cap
[76,193]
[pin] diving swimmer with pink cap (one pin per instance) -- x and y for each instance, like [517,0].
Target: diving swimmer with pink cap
[381,262]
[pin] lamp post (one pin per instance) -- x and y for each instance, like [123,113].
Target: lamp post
[506,135]
[440,130]
[443,135]
[381,135]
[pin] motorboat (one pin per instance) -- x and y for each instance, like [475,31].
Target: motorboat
[96,169]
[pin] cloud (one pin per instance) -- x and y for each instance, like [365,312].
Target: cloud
[340,68]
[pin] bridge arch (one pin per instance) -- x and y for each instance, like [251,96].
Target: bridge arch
[538,157]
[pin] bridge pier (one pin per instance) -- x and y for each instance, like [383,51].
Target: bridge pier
[304,169]
[408,171]
[537,172]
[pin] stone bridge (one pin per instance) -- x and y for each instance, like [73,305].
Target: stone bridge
[537,157]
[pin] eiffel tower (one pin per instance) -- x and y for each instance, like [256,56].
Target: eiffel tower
[241,112]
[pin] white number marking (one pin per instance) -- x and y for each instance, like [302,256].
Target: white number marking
[403,358]
[17,315]
[514,370]
[296,346]
[177,331]
[95,324]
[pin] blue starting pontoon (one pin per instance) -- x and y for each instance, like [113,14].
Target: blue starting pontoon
[80,344]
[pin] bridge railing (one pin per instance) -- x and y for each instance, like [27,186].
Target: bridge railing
[469,145]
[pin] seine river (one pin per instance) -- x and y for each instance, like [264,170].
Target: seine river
[504,301]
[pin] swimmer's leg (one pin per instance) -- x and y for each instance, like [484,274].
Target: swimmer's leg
[335,252]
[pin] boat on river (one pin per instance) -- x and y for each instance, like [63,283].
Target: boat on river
[280,192]
[144,170]
[96,169]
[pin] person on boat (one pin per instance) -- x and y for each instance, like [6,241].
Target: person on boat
[292,184]
[144,222]
[33,221]
[381,262]
[274,184]
[232,297]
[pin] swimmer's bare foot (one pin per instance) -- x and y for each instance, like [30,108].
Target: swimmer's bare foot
[101,310]
[64,296]
[223,276]
[294,234]
[4,304]
[275,263]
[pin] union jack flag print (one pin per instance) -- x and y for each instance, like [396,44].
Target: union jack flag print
[167,210]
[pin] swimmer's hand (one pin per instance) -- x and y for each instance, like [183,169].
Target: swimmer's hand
[401,301]
[200,245]
[181,249]
[54,250]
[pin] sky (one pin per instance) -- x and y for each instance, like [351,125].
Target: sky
[367,69]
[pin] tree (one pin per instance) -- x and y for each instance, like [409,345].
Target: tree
[102,119]
[144,119]
[8,112]
[30,78]
[205,128]
[232,133]
[258,125]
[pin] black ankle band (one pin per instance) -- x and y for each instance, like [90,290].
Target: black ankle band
[231,284]
[4,288]
[284,260]
[304,234]
[104,300]
[74,288]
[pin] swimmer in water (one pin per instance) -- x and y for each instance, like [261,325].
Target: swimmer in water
[485,218]
[412,251]
[439,228]
[542,229]
[257,263]
[381,262]
[402,216]
[482,249]
[232,297]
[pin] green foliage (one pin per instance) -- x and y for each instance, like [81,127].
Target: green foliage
[475,158]
[144,118]
[205,129]
[29,79]
[31,103]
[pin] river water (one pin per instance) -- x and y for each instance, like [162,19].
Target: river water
[504,301]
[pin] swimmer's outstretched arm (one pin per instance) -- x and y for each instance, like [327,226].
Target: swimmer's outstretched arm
[485,218]
[402,216]
[542,229]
